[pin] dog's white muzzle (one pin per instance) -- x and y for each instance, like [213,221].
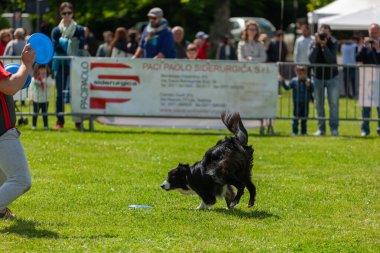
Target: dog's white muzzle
[165,185]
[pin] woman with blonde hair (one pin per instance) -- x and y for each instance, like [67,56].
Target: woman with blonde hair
[5,38]
[249,47]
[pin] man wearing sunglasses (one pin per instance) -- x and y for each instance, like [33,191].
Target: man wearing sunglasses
[157,39]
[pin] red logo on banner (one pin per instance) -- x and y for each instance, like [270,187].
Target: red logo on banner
[107,81]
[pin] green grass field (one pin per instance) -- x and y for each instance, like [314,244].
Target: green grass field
[313,194]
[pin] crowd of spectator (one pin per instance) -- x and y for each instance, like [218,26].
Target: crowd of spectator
[158,40]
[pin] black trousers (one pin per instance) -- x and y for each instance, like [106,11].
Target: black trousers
[37,107]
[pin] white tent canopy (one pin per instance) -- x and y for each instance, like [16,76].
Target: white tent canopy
[359,20]
[340,7]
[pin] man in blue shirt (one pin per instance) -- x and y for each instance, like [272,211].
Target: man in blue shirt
[349,50]
[157,39]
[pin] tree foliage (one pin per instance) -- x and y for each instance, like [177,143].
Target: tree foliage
[315,4]
[193,15]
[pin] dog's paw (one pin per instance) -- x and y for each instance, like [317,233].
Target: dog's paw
[203,206]
[234,203]
[229,207]
[250,204]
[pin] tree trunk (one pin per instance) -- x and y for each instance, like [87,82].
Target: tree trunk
[221,25]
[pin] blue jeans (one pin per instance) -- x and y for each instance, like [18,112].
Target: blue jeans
[62,83]
[349,77]
[366,113]
[300,110]
[332,86]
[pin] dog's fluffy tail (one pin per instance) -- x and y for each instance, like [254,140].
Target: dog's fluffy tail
[235,125]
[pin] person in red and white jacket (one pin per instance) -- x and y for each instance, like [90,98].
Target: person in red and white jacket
[14,171]
[202,45]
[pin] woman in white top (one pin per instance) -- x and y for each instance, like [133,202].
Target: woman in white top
[249,47]
[118,46]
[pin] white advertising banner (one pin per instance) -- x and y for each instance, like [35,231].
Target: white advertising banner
[172,88]
[369,86]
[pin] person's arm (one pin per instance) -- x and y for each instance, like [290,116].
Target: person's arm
[329,53]
[101,52]
[138,53]
[8,51]
[30,90]
[55,35]
[140,48]
[167,44]
[81,37]
[240,52]
[50,81]
[262,53]
[313,52]
[281,82]
[295,52]
[11,84]
[159,56]
[362,52]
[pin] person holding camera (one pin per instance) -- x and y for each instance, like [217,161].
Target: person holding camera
[369,53]
[324,51]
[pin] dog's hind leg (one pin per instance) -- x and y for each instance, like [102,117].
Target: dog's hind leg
[252,192]
[229,195]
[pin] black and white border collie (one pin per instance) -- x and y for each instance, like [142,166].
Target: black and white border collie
[228,163]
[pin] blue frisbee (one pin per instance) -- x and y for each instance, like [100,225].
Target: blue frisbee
[43,47]
[139,206]
[12,68]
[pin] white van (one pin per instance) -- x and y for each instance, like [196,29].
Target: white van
[24,22]
[238,23]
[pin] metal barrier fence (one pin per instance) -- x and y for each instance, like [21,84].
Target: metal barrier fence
[358,85]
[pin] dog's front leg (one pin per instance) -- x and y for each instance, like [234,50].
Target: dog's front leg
[207,202]
[240,190]
[229,195]
[203,206]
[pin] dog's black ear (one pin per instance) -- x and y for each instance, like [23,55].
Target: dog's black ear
[183,167]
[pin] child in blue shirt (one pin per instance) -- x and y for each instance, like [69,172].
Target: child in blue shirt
[302,94]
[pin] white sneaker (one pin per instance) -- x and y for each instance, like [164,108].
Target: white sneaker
[319,133]
[46,128]
[364,134]
[334,133]
[33,128]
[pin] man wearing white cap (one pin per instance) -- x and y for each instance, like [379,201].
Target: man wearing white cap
[157,40]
